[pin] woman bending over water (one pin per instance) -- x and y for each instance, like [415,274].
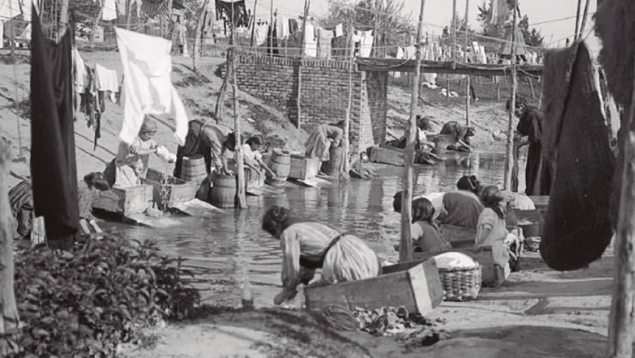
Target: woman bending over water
[307,246]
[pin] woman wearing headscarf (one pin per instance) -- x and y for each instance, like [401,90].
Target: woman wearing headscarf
[212,141]
[131,163]
[462,207]
[307,246]
[537,173]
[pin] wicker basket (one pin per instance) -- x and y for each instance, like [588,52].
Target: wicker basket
[461,284]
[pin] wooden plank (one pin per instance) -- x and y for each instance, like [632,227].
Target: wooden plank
[303,167]
[398,65]
[395,289]
[394,156]
[492,276]
[170,192]
[541,202]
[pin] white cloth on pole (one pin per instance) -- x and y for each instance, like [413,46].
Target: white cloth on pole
[339,30]
[310,41]
[410,52]
[9,9]
[282,28]
[107,79]
[80,72]
[147,85]
[2,33]
[261,34]
[110,10]
[367,44]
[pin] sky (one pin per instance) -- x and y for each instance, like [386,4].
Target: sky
[438,13]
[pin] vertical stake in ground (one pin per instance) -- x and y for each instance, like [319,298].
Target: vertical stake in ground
[509,158]
[405,247]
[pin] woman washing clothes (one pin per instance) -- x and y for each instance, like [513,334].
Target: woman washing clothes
[307,246]
[492,230]
[460,135]
[131,163]
[425,233]
[21,202]
[212,141]
[323,138]
[462,207]
[253,161]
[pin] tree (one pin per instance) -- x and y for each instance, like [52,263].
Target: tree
[388,17]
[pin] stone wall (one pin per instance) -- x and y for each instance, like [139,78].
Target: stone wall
[325,93]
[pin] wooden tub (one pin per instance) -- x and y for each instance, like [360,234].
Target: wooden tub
[167,193]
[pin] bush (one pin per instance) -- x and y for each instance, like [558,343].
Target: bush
[104,293]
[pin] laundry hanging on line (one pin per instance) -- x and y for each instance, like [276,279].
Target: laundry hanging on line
[53,163]
[147,84]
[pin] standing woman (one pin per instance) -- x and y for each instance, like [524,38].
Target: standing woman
[322,138]
[537,172]
[212,141]
[307,246]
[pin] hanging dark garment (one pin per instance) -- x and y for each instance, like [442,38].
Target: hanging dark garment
[577,225]
[53,165]
[293,26]
[538,175]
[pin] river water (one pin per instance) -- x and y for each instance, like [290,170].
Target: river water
[219,249]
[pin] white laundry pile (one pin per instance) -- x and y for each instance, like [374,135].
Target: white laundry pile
[147,85]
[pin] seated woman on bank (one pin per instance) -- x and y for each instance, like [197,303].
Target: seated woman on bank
[322,138]
[212,141]
[307,246]
[21,202]
[425,233]
[253,159]
[462,207]
[492,229]
[131,163]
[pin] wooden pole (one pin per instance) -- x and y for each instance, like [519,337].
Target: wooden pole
[270,44]
[405,247]
[128,11]
[9,317]
[584,17]
[375,39]
[350,46]
[307,3]
[92,37]
[240,169]
[621,322]
[468,83]
[199,36]
[577,21]
[63,20]
[253,28]
[509,160]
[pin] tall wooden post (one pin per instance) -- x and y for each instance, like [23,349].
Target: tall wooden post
[199,36]
[577,21]
[63,19]
[253,28]
[621,323]
[270,42]
[509,158]
[453,49]
[350,46]
[307,3]
[128,11]
[240,169]
[405,247]
[468,83]
[584,17]
[9,317]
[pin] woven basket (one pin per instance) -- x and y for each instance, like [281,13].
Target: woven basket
[461,284]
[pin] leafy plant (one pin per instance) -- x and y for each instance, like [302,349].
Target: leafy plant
[85,303]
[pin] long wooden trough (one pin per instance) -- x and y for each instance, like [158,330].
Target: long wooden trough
[418,288]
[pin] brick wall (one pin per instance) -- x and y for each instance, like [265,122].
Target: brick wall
[325,92]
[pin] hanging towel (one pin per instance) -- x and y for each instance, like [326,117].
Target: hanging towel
[282,28]
[79,72]
[339,30]
[367,44]
[109,10]
[107,79]
[53,164]
[578,225]
[310,41]
[261,34]
[147,87]
[410,53]
[324,43]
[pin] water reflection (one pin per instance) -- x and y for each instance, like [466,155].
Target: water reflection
[220,246]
